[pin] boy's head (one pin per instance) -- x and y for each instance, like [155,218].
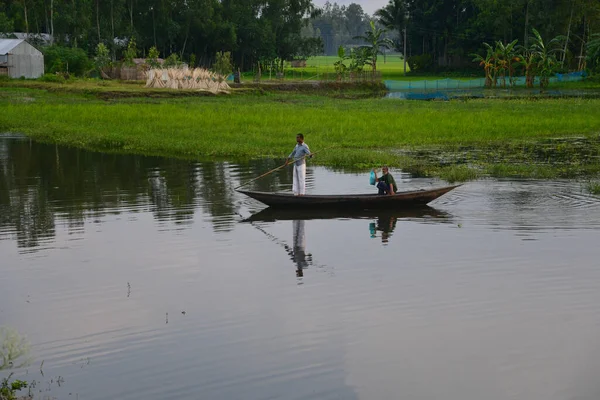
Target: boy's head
[300,138]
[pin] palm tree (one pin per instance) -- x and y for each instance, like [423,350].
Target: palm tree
[593,53]
[393,16]
[375,43]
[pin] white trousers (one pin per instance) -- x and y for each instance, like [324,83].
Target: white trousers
[299,185]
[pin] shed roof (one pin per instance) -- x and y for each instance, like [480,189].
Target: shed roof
[6,45]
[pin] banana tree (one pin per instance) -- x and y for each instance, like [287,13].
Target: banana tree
[528,61]
[376,42]
[358,58]
[488,63]
[506,56]
[339,66]
[545,54]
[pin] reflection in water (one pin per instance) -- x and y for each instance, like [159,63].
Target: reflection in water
[299,253]
[476,303]
[386,225]
[40,184]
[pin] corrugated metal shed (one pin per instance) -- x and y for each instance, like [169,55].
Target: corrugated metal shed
[18,58]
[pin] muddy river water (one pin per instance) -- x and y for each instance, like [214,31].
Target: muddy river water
[129,277]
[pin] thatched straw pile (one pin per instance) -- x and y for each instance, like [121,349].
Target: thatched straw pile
[185,78]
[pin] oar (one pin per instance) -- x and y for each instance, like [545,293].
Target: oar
[275,169]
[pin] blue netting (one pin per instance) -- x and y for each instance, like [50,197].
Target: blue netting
[453,84]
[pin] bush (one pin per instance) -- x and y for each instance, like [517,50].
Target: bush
[4,78]
[102,59]
[152,59]
[9,389]
[55,78]
[66,60]
[172,61]
[420,63]
[222,63]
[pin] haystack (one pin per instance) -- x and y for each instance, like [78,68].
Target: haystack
[185,78]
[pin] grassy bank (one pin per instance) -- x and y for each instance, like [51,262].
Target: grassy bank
[456,140]
[112,89]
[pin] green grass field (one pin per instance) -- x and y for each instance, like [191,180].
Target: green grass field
[505,135]
[321,67]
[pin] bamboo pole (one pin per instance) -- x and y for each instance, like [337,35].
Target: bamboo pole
[275,169]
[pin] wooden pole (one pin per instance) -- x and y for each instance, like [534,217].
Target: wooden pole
[275,169]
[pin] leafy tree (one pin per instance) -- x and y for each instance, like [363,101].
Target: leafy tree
[152,59]
[131,52]
[172,61]
[66,60]
[6,25]
[102,59]
[222,64]
[309,47]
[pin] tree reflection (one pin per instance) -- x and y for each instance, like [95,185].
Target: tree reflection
[41,183]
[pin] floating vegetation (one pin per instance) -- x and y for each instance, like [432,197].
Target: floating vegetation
[593,187]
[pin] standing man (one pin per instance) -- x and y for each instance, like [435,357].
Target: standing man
[300,152]
[386,183]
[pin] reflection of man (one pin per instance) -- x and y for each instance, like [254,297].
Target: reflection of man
[386,224]
[299,254]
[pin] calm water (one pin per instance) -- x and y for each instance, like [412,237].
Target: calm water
[141,278]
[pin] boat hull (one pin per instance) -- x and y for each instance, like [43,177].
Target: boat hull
[358,201]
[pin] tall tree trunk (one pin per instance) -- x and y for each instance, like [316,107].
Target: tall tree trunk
[526,38]
[75,24]
[112,29]
[581,59]
[98,20]
[26,19]
[131,15]
[562,63]
[51,22]
[154,27]
[47,24]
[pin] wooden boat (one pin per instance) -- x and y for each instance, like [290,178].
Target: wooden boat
[271,214]
[354,201]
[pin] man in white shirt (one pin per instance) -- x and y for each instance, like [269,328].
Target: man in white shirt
[299,154]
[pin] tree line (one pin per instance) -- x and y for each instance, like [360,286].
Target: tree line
[448,31]
[443,33]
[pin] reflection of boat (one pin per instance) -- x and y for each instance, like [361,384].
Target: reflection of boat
[356,201]
[286,214]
